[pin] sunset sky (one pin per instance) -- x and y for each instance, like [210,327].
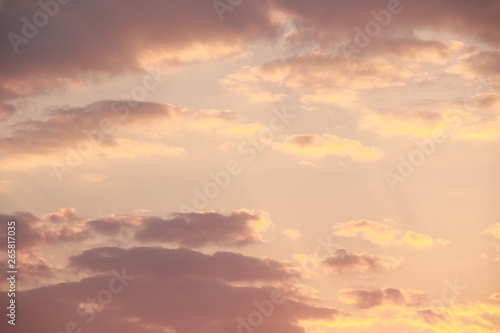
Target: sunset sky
[268,166]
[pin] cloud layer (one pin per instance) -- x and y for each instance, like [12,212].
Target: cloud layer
[343,261]
[382,234]
[236,229]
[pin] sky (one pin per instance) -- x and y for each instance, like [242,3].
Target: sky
[295,166]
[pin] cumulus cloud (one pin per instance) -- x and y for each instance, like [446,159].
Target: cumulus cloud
[141,36]
[51,229]
[400,315]
[173,264]
[493,230]
[415,49]
[111,129]
[64,215]
[368,299]
[398,307]
[235,229]
[150,305]
[94,125]
[320,146]
[330,22]
[475,118]
[6,110]
[464,317]
[159,289]
[317,77]
[33,266]
[134,32]
[344,261]
[417,124]
[482,64]
[34,270]
[382,234]
[293,234]
[65,48]
[495,297]
[182,290]
[238,228]
[241,227]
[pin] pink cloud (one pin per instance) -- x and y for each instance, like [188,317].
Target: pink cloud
[369,299]
[343,261]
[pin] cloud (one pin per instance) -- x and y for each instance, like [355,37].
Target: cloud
[381,234]
[64,215]
[329,22]
[317,77]
[50,229]
[415,49]
[127,40]
[240,227]
[179,263]
[343,261]
[142,36]
[493,230]
[112,226]
[416,124]
[379,297]
[33,266]
[168,289]
[93,124]
[320,146]
[235,229]
[462,317]
[111,129]
[394,310]
[293,234]
[482,64]
[6,110]
[162,290]
[488,101]
[475,118]
[35,270]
